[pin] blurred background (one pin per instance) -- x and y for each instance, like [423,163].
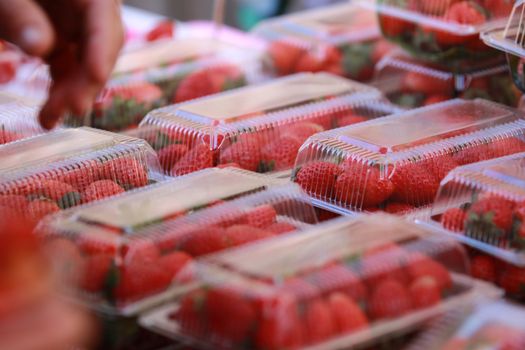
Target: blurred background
[243,14]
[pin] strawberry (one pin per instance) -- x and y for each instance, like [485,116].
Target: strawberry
[39,208]
[96,270]
[393,27]
[170,155]
[261,216]
[231,316]
[8,67]
[503,147]
[300,288]
[498,8]
[398,208]
[441,166]
[205,241]
[390,299]
[280,228]
[281,153]
[349,120]
[382,48]
[279,326]
[141,92]
[512,280]
[362,187]
[241,234]
[424,292]
[198,158]
[420,82]
[246,153]
[66,258]
[471,154]
[348,317]
[463,12]
[339,278]
[414,184]
[419,265]
[80,175]
[101,189]
[174,262]
[126,171]
[318,177]
[92,245]
[190,315]
[453,219]
[483,267]
[14,201]
[383,263]
[163,29]
[52,189]
[319,321]
[284,56]
[309,62]
[302,131]
[490,217]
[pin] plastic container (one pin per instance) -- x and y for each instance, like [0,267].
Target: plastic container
[396,163]
[340,285]
[342,39]
[258,128]
[18,121]
[411,83]
[441,31]
[198,62]
[494,326]
[46,173]
[138,250]
[509,39]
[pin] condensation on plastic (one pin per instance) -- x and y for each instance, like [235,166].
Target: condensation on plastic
[258,128]
[43,174]
[496,325]
[342,39]
[412,83]
[510,39]
[396,163]
[18,121]
[439,30]
[201,60]
[341,284]
[137,250]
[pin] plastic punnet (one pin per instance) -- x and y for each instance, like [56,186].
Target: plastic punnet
[440,30]
[136,250]
[411,83]
[342,39]
[258,128]
[491,326]
[510,39]
[18,121]
[339,285]
[170,71]
[46,173]
[396,163]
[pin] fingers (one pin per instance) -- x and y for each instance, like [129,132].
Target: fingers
[25,24]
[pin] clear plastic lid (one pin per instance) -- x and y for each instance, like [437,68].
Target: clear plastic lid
[411,83]
[45,173]
[258,128]
[445,31]
[137,249]
[343,39]
[489,326]
[481,204]
[18,121]
[396,163]
[341,284]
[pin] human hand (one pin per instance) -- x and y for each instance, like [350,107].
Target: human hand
[79,39]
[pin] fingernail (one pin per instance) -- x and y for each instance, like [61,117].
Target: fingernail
[31,37]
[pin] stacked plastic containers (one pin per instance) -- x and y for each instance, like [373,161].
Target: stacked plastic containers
[441,31]
[510,39]
[18,121]
[46,173]
[492,326]
[396,163]
[258,128]
[482,205]
[343,39]
[339,285]
[412,83]
[135,250]
[202,60]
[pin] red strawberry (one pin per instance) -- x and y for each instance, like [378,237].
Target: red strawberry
[390,299]
[302,131]
[241,234]
[170,155]
[488,212]
[281,153]
[101,189]
[383,263]
[80,175]
[309,62]
[96,270]
[9,62]
[52,189]
[91,245]
[503,147]
[454,219]
[231,317]
[190,315]
[414,184]
[284,56]
[261,216]
[419,265]
[40,208]
[498,8]
[441,166]
[246,153]
[141,92]
[14,201]
[338,278]
[318,177]
[348,317]
[382,48]
[425,292]
[398,208]
[362,187]
[428,85]
[350,119]
[512,280]
[280,228]
[173,263]
[205,241]
[126,171]
[483,267]
[300,288]
[163,29]
[392,26]
[472,154]
[198,158]
[319,321]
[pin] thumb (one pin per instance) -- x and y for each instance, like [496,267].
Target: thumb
[24,23]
